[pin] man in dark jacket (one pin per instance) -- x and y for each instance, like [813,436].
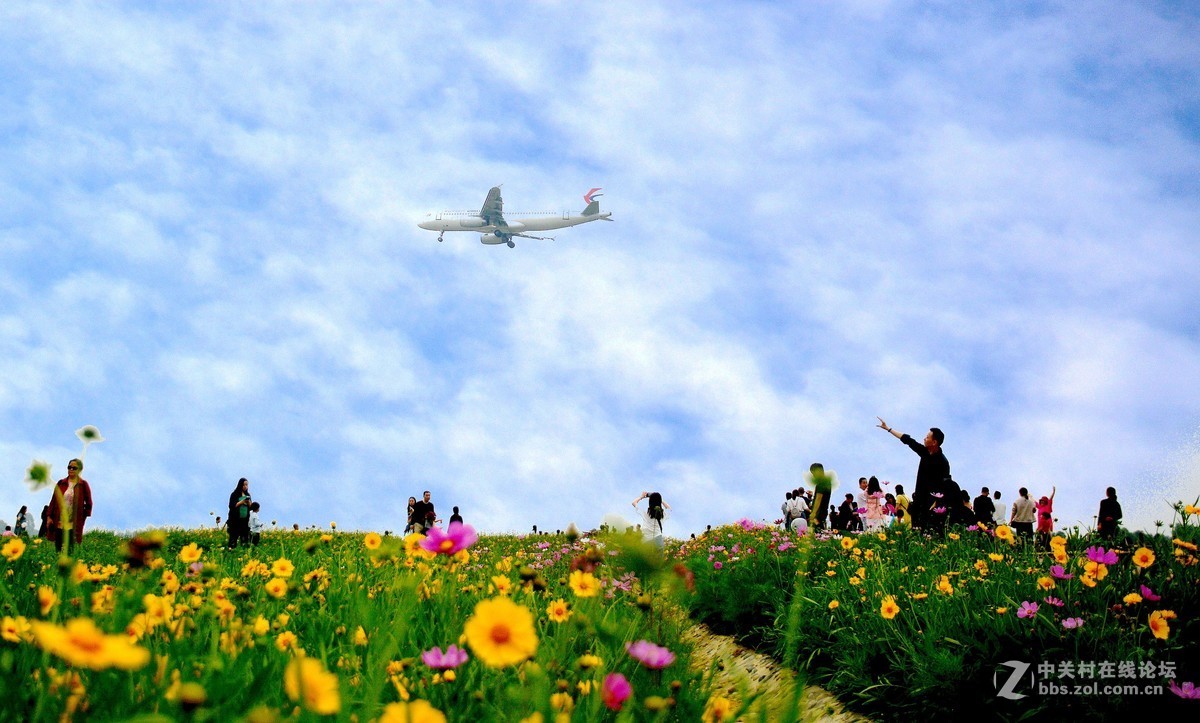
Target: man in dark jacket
[984,509]
[932,471]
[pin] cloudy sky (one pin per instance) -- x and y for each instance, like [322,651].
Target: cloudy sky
[981,218]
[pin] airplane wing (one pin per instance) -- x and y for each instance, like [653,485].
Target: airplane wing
[493,209]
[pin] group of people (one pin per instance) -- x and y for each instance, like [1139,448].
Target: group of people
[422,515]
[937,501]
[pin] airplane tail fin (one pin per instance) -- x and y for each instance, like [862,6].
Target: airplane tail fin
[593,206]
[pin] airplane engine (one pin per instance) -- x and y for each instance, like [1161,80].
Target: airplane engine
[491,239]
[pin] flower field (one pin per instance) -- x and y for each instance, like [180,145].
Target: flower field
[339,626]
[344,626]
[897,624]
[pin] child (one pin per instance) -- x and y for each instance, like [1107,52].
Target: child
[256,524]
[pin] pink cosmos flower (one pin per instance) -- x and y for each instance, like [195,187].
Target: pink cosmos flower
[1148,594]
[1187,690]
[1072,623]
[457,537]
[1028,609]
[452,658]
[1099,554]
[717,565]
[940,510]
[615,691]
[1054,601]
[1060,572]
[650,655]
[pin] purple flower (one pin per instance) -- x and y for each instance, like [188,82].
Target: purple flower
[717,565]
[940,510]
[937,495]
[1060,572]
[452,658]
[1187,690]
[1028,609]
[650,655]
[456,538]
[1072,623]
[1148,594]
[1099,554]
[1054,601]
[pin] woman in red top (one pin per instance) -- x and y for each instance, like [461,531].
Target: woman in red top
[70,506]
[1045,518]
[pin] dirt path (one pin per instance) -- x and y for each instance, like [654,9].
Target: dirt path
[742,673]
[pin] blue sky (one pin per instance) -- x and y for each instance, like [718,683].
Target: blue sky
[983,219]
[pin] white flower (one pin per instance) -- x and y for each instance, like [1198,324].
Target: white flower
[38,475]
[89,434]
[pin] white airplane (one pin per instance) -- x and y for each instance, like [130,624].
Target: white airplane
[495,229]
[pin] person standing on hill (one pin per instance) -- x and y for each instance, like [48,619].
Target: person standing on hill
[423,515]
[1110,514]
[932,471]
[1024,513]
[70,506]
[1045,518]
[985,511]
[239,514]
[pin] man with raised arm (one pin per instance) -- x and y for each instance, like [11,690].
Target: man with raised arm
[932,470]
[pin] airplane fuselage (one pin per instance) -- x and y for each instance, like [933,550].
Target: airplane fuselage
[517,223]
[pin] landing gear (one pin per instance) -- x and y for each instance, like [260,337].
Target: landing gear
[440,236]
[511,245]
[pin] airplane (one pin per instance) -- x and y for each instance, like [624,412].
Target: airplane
[489,221]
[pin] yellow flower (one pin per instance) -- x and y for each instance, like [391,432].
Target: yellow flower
[81,644]
[277,587]
[190,553]
[953,535]
[1158,625]
[287,640]
[360,637]
[372,541]
[1061,556]
[585,687]
[1097,570]
[1087,580]
[1185,544]
[945,586]
[1143,557]
[1005,533]
[501,633]
[1058,541]
[562,702]
[848,543]
[416,711]
[502,583]
[13,549]
[559,611]
[833,604]
[282,567]
[14,630]
[855,580]
[584,584]
[47,599]
[307,682]
[169,582]
[919,595]
[587,661]
[995,556]
[1132,598]
[889,608]
[1001,611]
[262,626]
[718,709]
[1046,582]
